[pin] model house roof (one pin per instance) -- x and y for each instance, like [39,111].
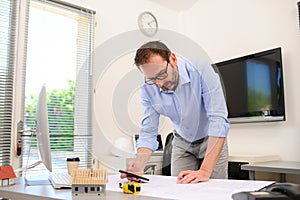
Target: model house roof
[7,172]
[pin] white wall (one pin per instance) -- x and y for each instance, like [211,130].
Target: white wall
[115,19]
[225,29]
[232,28]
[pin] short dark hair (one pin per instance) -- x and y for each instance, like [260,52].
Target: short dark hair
[146,50]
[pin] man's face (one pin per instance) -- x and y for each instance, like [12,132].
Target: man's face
[159,72]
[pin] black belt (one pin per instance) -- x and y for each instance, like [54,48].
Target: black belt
[195,142]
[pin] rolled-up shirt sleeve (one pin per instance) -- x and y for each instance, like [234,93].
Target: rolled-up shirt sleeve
[214,103]
[149,123]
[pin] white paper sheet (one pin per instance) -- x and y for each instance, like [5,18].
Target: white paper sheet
[166,187]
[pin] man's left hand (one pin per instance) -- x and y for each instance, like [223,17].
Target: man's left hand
[190,176]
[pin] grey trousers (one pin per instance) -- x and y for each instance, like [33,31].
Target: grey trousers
[189,156]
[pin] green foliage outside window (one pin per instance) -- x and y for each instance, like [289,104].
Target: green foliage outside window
[60,117]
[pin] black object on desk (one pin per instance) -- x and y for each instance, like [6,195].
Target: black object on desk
[278,191]
[134,175]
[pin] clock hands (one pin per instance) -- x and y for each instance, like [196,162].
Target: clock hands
[149,23]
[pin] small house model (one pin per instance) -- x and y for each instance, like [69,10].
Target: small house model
[89,181]
[7,175]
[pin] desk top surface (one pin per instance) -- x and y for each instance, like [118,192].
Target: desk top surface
[159,187]
[274,166]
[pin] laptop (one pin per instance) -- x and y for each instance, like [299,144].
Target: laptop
[158,151]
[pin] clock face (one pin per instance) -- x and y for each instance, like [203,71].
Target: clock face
[147,23]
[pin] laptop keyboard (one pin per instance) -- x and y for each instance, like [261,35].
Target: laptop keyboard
[60,180]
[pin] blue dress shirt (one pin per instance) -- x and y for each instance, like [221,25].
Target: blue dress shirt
[197,107]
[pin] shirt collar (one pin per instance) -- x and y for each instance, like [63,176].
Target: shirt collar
[183,75]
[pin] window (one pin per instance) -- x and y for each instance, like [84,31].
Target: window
[59,55]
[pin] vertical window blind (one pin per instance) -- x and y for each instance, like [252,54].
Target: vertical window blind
[8,21]
[59,55]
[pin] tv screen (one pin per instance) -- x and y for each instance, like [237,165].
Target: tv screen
[253,86]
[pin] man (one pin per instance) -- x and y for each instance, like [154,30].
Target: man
[191,95]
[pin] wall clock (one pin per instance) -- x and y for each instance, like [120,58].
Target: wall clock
[147,23]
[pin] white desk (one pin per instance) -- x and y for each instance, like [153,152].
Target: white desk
[40,192]
[282,167]
[159,187]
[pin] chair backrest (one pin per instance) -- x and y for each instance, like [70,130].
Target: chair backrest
[166,165]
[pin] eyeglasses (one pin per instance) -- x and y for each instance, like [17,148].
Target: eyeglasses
[161,76]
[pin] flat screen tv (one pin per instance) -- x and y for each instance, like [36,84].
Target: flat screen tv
[253,86]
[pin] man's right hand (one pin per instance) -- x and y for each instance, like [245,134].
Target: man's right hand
[135,168]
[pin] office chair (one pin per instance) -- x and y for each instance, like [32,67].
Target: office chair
[166,165]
